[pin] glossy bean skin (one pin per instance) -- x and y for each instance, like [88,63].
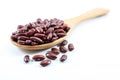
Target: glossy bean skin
[45,63]
[36,39]
[51,55]
[26,58]
[71,47]
[62,49]
[21,42]
[55,51]
[63,58]
[63,43]
[24,38]
[38,57]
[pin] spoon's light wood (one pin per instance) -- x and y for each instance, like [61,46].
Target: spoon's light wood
[71,23]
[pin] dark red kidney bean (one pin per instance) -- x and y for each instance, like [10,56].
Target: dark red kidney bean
[62,49]
[49,36]
[29,26]
[46,31]
[39,29]
[54,34]
[14,33]
[28,42]
[45,63]
[60,23]
[36,39]
[39,35]
[26,58]
[21,34]
[51,55]
[34,43]
[14,37]
[23,38]
[39,21]
[53,23]
[67,29]
[38,57]
[64,43]
[54,38]
[63,26]
[47,23]
[30,32]
[55,51]
[21,30]
[61,34]
[21,42]
[59,31]
[56,27]
[63,58]
[50,30]
[70,47]
[20,26]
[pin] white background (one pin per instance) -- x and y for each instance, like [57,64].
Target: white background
[97,41]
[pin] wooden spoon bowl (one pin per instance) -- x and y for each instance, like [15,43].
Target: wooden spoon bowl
[71,23]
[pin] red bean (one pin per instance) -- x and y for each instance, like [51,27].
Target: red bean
[39,35]
[63,58]
[50,30]
[51,55]
[61,34]
[21,34]
[39,29]
[55,51]
[39,21]
[49,36]
[23,38]
[64,43]
[38,57]
[36,39]
[34,43]
[26,58]
[40,32]
[70,47]
[21,42]
[14,37]
[21,30]
[54,38]
[30,32]
[54,34]
[45,63]
[67,29]
[20,26]
[62,49]
[28,42]
[59,31]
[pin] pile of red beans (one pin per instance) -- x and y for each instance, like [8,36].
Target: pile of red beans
[52,54]
[40,32]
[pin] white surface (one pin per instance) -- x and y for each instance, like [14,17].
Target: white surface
[97,41]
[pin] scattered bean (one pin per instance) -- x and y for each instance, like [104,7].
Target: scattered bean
[62,49]
[70,47]
[51,55]
[63,58]
[45,63]
[38,57]
[64,43]
[55,51]
[26,58]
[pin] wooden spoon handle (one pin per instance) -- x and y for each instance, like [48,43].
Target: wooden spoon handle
[88,15]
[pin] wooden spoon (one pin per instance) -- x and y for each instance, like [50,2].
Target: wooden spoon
[71,23]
